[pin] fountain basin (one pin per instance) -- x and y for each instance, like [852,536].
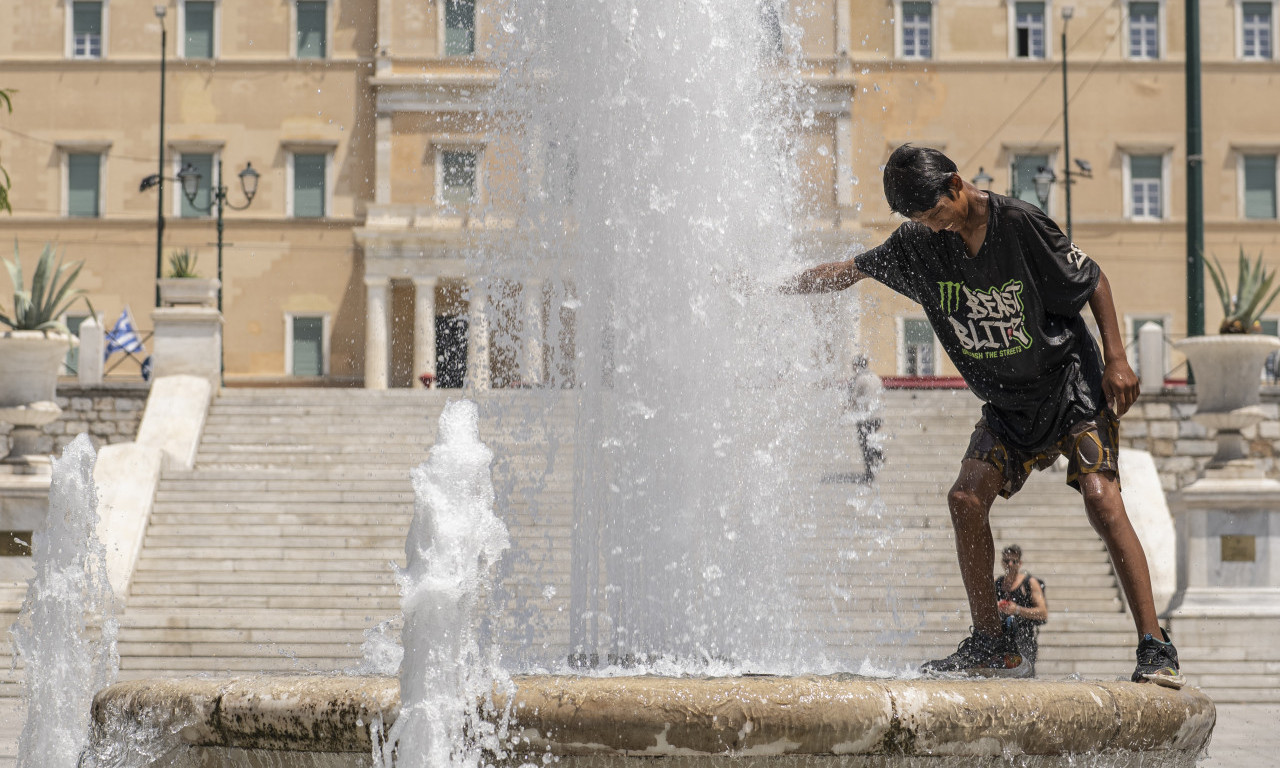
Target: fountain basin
[844,720]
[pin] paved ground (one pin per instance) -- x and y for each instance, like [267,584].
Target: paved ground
[1246,736]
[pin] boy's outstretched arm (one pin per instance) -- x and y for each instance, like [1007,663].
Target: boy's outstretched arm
[824,278]
[1119,382]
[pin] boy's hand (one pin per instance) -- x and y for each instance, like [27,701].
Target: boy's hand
[1120,386]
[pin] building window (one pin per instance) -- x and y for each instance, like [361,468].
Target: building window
[561,172]
[1023,177]
[309,185]
[1146,186]
[197,29]
[1256,31]
[203,164]
[1259,186]
[917,30]
[1029,31]
[457,178]
[459,27]
[308,353]
[86,29]
[312,32]
[1144,30]
[84,184]
[917,348]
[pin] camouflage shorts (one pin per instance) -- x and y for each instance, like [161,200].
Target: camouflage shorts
[1090,446]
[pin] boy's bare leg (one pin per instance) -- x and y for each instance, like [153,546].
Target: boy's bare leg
[1106,511]
[970,502]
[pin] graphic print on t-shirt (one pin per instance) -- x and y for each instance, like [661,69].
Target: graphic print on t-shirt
[988,323]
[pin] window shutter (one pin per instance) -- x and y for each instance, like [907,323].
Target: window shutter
[83,171]
[308,186]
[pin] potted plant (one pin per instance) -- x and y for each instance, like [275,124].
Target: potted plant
[184,286]
[32,351]
[1228,367]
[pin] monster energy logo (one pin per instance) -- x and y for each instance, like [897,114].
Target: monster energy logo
[950,299]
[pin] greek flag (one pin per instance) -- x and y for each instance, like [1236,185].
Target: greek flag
[123,337]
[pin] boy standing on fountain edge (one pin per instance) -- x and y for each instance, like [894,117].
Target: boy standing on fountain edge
[1003,289]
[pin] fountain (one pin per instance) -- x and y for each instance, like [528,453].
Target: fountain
[656,145]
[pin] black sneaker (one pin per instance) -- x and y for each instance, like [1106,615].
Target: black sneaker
[1158,662]
[981,655]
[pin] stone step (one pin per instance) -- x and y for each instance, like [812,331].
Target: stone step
[218,589]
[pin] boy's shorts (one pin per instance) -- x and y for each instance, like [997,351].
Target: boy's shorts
[1090,446]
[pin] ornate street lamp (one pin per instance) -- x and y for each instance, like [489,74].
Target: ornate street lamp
[1044,180]
[983,180]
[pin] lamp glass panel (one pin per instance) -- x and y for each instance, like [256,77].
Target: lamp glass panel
[202,162]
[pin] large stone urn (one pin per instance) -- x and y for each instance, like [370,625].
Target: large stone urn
[29,364]
[188,292]
[1228,372]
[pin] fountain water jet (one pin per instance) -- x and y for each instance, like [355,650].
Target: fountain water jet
[66,658]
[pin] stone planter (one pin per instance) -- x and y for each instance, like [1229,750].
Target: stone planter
[1228,372]
[188,291]
[29,364]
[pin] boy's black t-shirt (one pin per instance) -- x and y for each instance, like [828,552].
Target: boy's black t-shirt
[1009,317]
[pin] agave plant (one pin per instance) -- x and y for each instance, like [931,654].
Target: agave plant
[1240,313]
[182,263]
[38,309]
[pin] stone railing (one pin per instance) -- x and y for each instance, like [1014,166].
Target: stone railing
[1161,424]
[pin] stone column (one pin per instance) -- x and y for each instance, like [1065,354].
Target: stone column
[1151,357]
[187,340]
[478,338]
[376,332]
[424,329]
[382,159]
[531,367]
[89,370]
[844,160]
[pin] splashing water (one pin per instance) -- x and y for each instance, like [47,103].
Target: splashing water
[66,659]
[660,198]
[453,540]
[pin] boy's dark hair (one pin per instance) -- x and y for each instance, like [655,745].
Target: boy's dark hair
[916,178]
[1013,549]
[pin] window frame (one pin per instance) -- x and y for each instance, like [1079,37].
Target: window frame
[326,327]
[178,149]
[1166,166]
[899,44]
[443,32]
[439,148]
[1012,153]
[216,32]
[900,345]
[291,177]
[1239,25]
[1161,38]
[293,31]
[74,148]
[1012,30]
[104,21]
[1241,154]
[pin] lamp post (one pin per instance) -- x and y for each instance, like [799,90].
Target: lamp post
[190,179]
[1067,12]
[1195,177]
[160,12]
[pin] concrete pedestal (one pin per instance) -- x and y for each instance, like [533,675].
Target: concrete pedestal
[24,501]
[188,340]
[1229,545]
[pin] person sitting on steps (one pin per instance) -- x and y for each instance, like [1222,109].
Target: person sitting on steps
[1021,601]
[1003,289]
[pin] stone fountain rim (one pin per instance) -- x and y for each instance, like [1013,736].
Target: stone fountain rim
[668,717]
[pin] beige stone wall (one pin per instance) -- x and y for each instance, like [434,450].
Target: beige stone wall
[978,106]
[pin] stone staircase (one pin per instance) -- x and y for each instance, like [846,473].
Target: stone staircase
[275,552]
